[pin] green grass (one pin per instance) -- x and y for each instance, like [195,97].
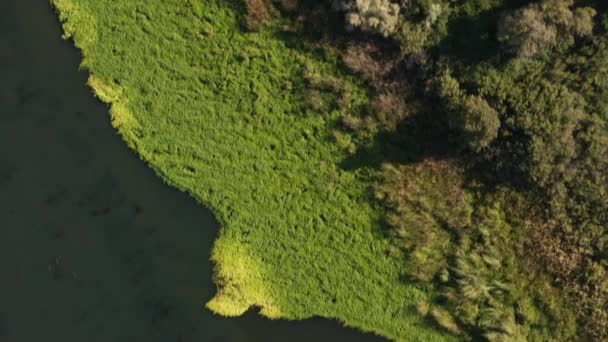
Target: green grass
[220,114]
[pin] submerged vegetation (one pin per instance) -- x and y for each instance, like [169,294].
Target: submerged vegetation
[427,170]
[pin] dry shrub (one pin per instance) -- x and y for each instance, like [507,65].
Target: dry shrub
[591,301]
[380,63]
[356,123]
[390,109]
[390,102]
[426,203]
[352,122]
[258,13]
[289,5]
[552,250]
[445,320]
[315,99]
[585,281]
[370,60]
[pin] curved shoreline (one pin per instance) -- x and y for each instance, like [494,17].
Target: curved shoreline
[365,291]
[94,246]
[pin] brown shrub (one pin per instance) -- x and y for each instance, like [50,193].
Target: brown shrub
[381,64]
[591,301]
[315,99]
[352,122]
[258,13]
[390,109]
[289,5]
[370,60]
[552,251]
[584,280]
[390,102]
[445,320]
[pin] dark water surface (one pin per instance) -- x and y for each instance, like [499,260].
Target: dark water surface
[93,247]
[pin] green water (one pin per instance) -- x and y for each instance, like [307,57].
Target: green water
[93,247]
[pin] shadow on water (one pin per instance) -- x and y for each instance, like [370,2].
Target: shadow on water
[94,247]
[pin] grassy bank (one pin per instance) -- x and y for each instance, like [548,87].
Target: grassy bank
[220,113]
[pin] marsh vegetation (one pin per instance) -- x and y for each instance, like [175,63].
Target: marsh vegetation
[417,168]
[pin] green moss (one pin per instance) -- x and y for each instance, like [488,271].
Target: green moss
[220,114]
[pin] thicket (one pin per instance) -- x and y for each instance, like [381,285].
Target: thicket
[246,119]
[373,159]
[517,183]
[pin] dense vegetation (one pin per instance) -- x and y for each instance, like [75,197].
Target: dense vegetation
[423,169]
[522,91]
[220,113]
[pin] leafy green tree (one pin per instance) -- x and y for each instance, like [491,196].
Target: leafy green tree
[479,123]
[470,115]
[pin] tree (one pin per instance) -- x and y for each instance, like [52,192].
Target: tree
[583,21]
[479,123]
[524,33]
[380,16]
[471,115]
[541,26]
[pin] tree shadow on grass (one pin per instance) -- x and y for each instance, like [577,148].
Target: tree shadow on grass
[421,136]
